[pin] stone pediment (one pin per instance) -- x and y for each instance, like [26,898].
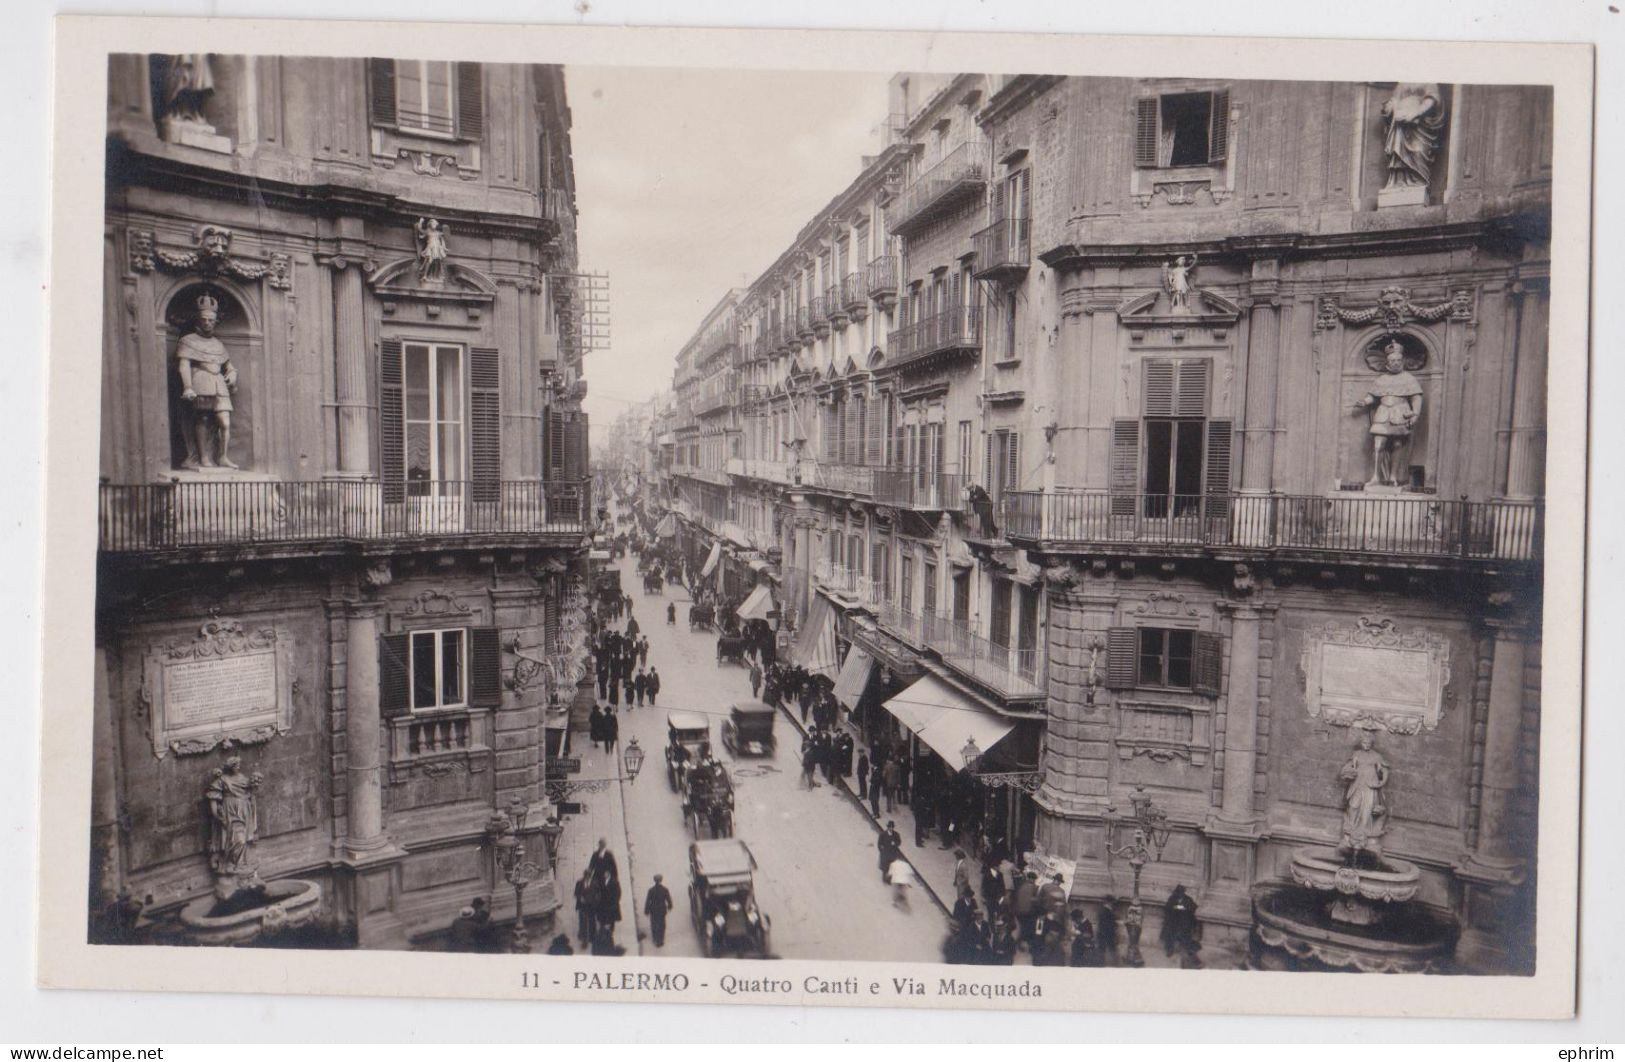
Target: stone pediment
[1153,311]
[399,280]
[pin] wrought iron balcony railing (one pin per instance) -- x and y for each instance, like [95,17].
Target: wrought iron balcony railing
[854,297]
[961,174]
[1016,674]
[958,329]
[1003,249]
[918,488]
[845,479]
[818,308]
[880,280]
[1399,526]
[847,582]
[151,517]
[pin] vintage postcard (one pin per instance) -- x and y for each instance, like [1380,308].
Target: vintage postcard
[816,518]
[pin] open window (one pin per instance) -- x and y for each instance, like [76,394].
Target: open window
[1182,129]
[427,97]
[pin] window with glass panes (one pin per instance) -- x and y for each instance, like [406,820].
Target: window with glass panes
[437,672]
[424,95]
[433,417]
[1166,657]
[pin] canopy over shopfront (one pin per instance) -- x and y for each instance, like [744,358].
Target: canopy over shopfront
[757,605]
[948,720]
[854,677]
[712,560]
[667,527]
[814,648]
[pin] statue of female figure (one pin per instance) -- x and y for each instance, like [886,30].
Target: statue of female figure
[1364,816]
[234,818]
[431,250]
[1395,402]
[188,84]
[1177,279]
[1415,115]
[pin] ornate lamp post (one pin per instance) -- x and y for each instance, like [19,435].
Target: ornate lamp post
[633,757]
[1150,836]
[505,830]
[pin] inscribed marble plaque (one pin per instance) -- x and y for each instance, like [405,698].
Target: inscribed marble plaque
[225,686]
[1371,674]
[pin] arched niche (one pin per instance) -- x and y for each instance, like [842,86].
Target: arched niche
[237,330]
[1362,368]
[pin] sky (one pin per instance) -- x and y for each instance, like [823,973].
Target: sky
[691,182]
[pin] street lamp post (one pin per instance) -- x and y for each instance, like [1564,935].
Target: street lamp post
[1150,836]
[505,830]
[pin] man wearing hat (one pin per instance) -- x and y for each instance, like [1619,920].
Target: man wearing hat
[657,904]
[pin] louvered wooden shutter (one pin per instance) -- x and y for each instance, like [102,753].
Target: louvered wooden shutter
[989,466]
[555,444]
[1012,467]
[1217,473]
[1125,466]
[860,437]
[1207,666]
[484,667]
[1219,126]
[1192,398]
[576,447]
[998,206]
[851,439]
[391,423]
[1161,385]
[381,91]
[550,612]
[484,424]
[470,102]
[1121,653]
[875,441]
[936,447]
[394,690]
[1145,131]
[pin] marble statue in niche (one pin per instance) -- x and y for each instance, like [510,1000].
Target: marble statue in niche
[188,84]
[431,250]
[233,824]
[1365,816]
[208,380]
[1178,278]
[1413,117]
[1394,402]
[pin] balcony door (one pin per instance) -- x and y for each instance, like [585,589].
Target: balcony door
[435,446]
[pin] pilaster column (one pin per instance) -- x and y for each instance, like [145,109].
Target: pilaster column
[1241,717]
[1526,460]
[363,729]
[1257,406]
[1502,836]
[350,367]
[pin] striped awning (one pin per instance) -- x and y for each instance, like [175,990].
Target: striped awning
[814,648]
[947,719]
[712,560]
[757,605]
[854,676]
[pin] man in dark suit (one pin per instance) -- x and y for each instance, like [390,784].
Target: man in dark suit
[657,904]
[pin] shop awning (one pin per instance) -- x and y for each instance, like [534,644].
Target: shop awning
[815,642]
[946,719]
[757,605]
[598,555]
[667,527]
[854,677]
[711,561]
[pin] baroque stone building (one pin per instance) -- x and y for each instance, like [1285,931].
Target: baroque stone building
[1203,435]
[344,500]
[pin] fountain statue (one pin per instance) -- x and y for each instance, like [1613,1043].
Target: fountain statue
[1350,905]
[242,907]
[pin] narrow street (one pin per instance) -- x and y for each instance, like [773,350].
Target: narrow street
[817,876]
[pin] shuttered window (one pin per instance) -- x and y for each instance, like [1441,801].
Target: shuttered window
[437,662]
[875,430]
[1176,387]
[381,91]
[391,424]
[1145,131]
[1182,129]
[394,682]
[1219,133]
[470,102]
[1208,666]
[1218,469]
[484,424]
[1121,644]
[1012,461]
[485,667]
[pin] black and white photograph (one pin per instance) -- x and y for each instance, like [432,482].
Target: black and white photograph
[922,514]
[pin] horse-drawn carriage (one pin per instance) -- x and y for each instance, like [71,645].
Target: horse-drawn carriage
[652,582]
[708,799]
[732,647]
[702,617]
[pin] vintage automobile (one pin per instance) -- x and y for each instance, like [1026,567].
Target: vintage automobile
[652,583]
[688,735]
[722,899]
[708,798]
[701,617]
[748,730]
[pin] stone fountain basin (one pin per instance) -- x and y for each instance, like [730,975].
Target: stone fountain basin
[289,902]
[1326,869]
